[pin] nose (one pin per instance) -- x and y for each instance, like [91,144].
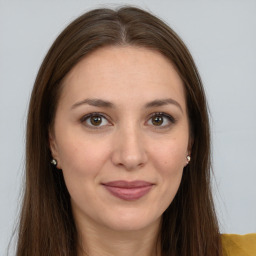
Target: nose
[129,151]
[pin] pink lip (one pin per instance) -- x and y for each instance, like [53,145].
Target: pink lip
[128,190]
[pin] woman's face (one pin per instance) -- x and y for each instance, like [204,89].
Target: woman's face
[121,137]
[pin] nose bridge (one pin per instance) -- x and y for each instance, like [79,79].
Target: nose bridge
[129,147]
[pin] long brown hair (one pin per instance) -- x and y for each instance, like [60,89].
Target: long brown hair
[189,225]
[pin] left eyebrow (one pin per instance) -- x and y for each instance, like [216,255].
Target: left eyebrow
[163,102]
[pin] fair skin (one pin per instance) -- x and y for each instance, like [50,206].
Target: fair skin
[121,117]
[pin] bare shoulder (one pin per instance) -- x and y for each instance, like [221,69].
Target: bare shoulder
[239,245]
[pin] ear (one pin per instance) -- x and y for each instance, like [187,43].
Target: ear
[54,148]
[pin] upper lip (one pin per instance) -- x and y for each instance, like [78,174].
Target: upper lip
[128,184]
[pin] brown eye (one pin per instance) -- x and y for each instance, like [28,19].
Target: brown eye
[96,120]
[161,120]
[157,120]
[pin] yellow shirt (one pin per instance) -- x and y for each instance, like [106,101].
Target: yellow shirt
[239,245]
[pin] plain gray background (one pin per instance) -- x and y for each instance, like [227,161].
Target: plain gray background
[221,36]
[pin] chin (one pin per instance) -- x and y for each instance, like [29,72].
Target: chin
[132,221]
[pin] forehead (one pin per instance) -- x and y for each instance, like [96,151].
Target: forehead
[121,72]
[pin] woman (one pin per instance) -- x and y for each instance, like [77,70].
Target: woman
[118,145]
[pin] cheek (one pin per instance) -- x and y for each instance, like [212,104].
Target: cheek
[81,161]
[80,156]
[169,161]
[170,156]
[170,167]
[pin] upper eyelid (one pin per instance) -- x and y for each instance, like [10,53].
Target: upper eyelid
[107,116]
[163,114]
[159,113]
[94,114]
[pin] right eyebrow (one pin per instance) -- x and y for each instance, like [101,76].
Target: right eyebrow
[93,102]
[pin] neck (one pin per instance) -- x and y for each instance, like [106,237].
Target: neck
[96,240]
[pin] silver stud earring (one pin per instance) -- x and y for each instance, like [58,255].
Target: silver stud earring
[54,162]
[188,159]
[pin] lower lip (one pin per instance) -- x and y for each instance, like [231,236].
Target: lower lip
[128,194]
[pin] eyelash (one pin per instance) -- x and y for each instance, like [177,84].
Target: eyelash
[94,114]
[170,118]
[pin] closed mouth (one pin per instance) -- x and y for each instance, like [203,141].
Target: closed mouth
[128,190]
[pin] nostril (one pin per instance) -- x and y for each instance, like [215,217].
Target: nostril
[129,160]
